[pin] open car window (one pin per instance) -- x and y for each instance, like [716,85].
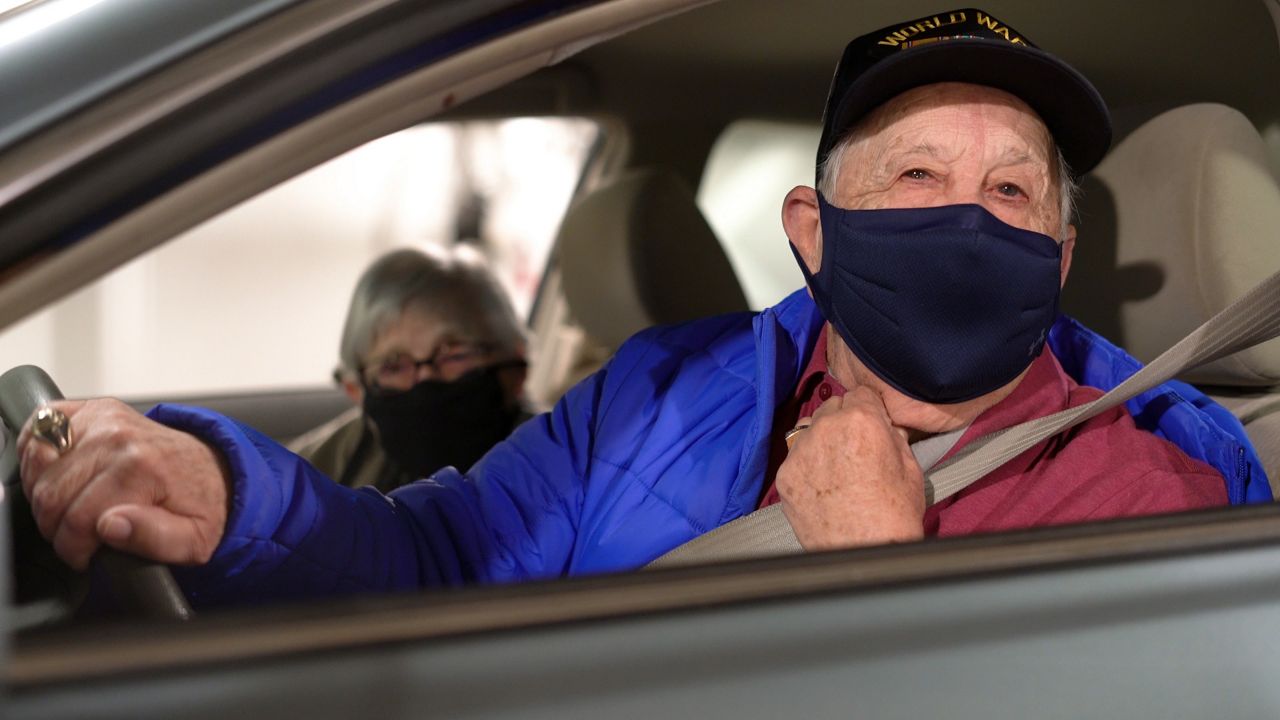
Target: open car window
[254,299]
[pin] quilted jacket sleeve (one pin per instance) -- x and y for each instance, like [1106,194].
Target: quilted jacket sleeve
[294,533]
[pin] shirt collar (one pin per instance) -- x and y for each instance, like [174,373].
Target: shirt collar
[1043,390]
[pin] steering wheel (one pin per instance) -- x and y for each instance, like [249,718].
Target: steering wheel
[45,589]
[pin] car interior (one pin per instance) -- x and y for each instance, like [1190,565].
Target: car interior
[640,190]
[1176,223]
[1173,225]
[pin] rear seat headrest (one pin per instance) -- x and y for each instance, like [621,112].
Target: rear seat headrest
[1197,213]
[637,252]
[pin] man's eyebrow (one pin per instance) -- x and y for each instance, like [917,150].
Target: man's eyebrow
[893,153]
[1016,156]
[923,148]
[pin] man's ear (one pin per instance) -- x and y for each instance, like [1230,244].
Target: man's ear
[1068,246]
[801,221]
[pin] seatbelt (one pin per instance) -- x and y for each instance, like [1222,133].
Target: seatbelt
[1252,319]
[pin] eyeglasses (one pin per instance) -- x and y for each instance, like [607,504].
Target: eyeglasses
[400,371]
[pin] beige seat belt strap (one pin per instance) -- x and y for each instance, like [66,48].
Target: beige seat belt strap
[1252,319]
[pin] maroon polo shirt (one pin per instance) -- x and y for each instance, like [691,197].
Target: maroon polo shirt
[1103,468]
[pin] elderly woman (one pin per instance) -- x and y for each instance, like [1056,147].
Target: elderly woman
[432,356]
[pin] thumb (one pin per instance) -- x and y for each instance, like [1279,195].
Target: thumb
[153,533]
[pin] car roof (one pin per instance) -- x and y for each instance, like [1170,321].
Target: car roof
[58,57]
[751,58]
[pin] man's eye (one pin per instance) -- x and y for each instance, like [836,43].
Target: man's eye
[1009,190]
[916,174]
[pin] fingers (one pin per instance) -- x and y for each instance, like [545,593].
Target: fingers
[49,481]
[830,406]
[153,532]
[75,534]
[866,398]
[53,491]
[35,454]
[861,399]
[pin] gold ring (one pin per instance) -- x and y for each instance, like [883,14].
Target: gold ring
[790,437]
[54,427]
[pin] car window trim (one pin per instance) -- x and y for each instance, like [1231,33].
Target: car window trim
[57,657]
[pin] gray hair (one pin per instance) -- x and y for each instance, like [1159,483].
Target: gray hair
[1068,188]
[451,287]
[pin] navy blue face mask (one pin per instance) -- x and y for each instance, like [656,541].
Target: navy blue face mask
[945,304]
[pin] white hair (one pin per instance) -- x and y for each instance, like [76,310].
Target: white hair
[833,165]
[452,287]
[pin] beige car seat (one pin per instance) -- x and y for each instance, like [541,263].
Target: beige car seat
[638,252]
[633,252]
[1180,219]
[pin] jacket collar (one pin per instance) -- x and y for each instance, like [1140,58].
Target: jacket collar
[784,337]
[796,323]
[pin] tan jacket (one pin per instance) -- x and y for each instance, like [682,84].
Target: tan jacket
[346,449]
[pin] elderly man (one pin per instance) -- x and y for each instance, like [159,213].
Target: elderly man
[934,245]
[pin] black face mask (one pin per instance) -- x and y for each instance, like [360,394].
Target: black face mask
[436,423]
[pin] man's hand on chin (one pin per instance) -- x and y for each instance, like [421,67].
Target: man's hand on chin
[850,478]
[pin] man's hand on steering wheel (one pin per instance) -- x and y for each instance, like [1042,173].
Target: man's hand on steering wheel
[125,481]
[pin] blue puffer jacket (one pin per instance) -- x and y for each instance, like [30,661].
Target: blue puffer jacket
[668,441]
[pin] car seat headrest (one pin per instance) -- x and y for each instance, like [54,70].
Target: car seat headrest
[637,252]
[1176,223]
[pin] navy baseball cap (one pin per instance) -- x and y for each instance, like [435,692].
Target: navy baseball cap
[969,46]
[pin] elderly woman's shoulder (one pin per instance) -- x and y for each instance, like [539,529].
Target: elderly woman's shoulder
[337,438]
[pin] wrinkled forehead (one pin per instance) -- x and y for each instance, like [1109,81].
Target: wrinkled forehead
[1000,116]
